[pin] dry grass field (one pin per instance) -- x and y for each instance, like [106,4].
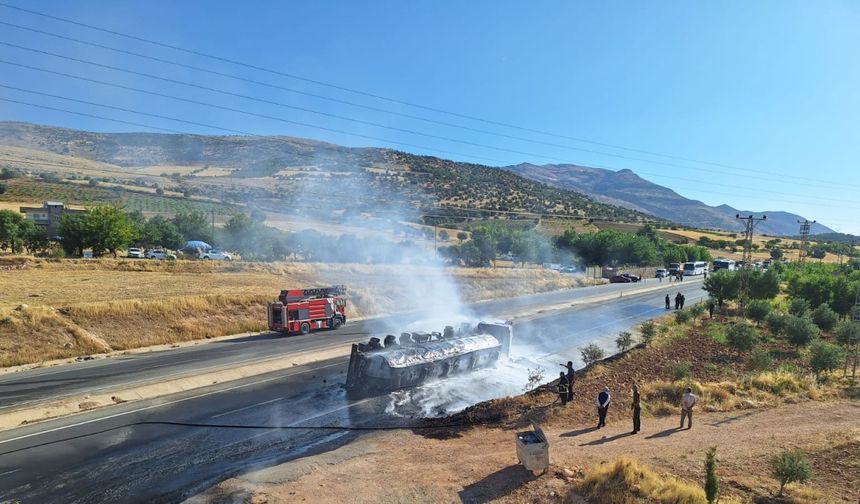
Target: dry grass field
[54,309]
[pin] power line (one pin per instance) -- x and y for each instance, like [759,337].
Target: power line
[365,93]
[288,121]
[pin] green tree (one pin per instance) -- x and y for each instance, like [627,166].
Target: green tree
[775,322]
[764,285]
[800,331]
[825,357]
[108,228]
[193,225]
[742,337]
[12,230]
[462,236]
[824,317]
[74,234]
[799,307]
[3,187]
[789,467]
[758,309]
[712,483]
[648,330]
[591,353]
[158,231]
[624,341]
[776,254]
[722,284]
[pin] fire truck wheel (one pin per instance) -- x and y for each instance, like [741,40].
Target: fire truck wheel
[335,322]
[305,328]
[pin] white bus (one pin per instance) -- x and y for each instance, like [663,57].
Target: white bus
[726,264]
[695,268]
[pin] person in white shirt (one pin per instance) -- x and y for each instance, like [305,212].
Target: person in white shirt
[687,403]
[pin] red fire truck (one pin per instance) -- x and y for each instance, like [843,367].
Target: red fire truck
[301,310]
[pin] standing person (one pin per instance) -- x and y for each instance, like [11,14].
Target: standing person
[571,377]
[711,307]
[603,400]
[677,300]
[667,301]
[562,388]
[687,403]
[683,299]
[637,409]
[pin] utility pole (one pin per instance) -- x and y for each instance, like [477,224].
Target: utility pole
[749,224]
[804,239]
[855,316]
[212,234]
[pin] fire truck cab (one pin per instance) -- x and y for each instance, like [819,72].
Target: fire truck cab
[304,310]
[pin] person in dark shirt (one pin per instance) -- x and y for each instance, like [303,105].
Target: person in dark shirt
[603,400]
[667,302]
[637,409]
[571,377]
[562,388]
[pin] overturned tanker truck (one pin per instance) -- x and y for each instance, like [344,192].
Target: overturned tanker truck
[379,367]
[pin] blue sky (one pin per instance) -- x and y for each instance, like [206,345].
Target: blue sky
[767,92]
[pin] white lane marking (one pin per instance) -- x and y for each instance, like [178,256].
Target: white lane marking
[247,407]
[9,472]
[153,406]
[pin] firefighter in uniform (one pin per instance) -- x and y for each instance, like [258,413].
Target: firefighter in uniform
[563,388]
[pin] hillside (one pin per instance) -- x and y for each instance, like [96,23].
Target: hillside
[625,188]
[292,175]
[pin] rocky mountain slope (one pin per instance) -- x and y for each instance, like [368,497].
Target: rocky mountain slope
[627,189]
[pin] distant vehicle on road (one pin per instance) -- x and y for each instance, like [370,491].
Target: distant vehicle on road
[216,255]
[160,254]
[726,264]
[134,253]
[674,269]
[695,268]
[661,273]
[624,278]
[568,269]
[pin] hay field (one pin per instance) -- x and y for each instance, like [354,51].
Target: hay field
[64,308]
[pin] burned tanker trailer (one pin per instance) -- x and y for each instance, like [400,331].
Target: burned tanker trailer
[382,366]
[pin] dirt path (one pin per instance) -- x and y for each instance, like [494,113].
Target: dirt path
[480,465]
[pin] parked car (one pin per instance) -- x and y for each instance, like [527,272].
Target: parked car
[568,269]
[624,278]
[661,273]
[134,253]
[160,254]
[216,255]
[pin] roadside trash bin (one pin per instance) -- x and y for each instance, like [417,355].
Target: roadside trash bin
[533,450]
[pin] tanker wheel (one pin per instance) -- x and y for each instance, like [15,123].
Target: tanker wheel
[335,323]
[305,328]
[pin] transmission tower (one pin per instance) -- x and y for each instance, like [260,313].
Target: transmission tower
[750,224]
[804,239]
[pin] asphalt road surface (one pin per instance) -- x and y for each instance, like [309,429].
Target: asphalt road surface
[167,449]
[88,377]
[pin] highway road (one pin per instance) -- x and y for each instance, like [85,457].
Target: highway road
[167,449]
[87,377]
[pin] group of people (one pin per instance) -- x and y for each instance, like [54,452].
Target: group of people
[679,301]
[604,399]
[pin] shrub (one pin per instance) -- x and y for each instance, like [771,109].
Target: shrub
[775,323]
[742,337]
[825,357]
[618,482]
[591,353]
[683,316]
[758,309]
[679,371]
[648,330]
[712,484]
[824,317]
[624,340]
[800,331]
[697,310]
[760,360]
[789,467]
[798,307]
[847,333]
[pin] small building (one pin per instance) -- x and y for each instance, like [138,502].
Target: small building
[48,215]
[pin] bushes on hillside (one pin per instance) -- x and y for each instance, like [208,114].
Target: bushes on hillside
[789,467]
[800,331]
[742,337]
[824,317]
[758,309]
[824,357]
